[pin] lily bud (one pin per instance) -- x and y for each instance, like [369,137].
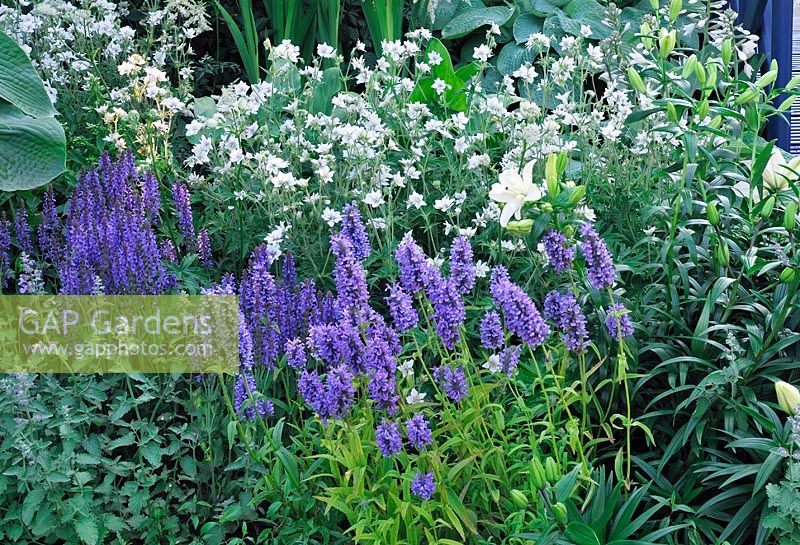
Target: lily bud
[551,170]
[675,9]
[790,216]
[746,97]
[702,109]
[576,195]
[788,396]
[689,66]
[792,83]
[786,104]
[712,214]
[672,112]
[521,227]
[767,79]
[560,512]
[766,210]
[636,80]
[727,51]
[551,471]
[666,42]
[787,275]
[645,30]
[538,478]
[722,253]
[519,498]
[711,76]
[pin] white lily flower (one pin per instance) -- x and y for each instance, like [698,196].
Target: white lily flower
[514,190]
[778,171]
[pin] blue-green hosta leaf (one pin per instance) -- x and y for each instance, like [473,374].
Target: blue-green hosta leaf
[463,24]
[512,56]
[525,25]
[19,83]
[32,150]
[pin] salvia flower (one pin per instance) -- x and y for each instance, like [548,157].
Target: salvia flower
[349,274]
[180,197]
[565,312]
[448,308]
[423,485]
[23,230]
[331,399]
[388,438]
[559,252]
[204,248]
[353,229]
[418,431]
[50,229]
[462,268]
[509,359]
[5,248]
[109,235]
[618,321]
[452,381]
[245,402]
[30,281]
[600,266]
[296,354]
[491,330]
[401,308]
[415,272]
[522,318]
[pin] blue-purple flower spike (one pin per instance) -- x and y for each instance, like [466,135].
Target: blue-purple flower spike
[353,229]
[600,266]
[618,321]
[522,318]
[423,485]
[558,250]
[462,268]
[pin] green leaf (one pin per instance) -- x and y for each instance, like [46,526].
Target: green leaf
[512,56]
[325,90]
[525,25]
[31,504]
[19,83]
[86,529]
[465,23]
[581,534]
[32,150]
[152,453]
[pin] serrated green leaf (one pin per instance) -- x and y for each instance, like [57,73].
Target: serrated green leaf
[86,528]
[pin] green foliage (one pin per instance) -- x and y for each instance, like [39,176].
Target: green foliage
[784,502]
[32,142]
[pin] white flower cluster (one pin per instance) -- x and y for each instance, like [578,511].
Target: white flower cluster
[69,42]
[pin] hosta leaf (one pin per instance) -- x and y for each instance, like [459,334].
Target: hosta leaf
[19,83]
[512,56]
[463,24]
[525,25]
[32,150]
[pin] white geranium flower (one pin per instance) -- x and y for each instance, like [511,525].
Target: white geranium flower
[514,190]
[331,217]
[493,364]
[406,368]
[415,397]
